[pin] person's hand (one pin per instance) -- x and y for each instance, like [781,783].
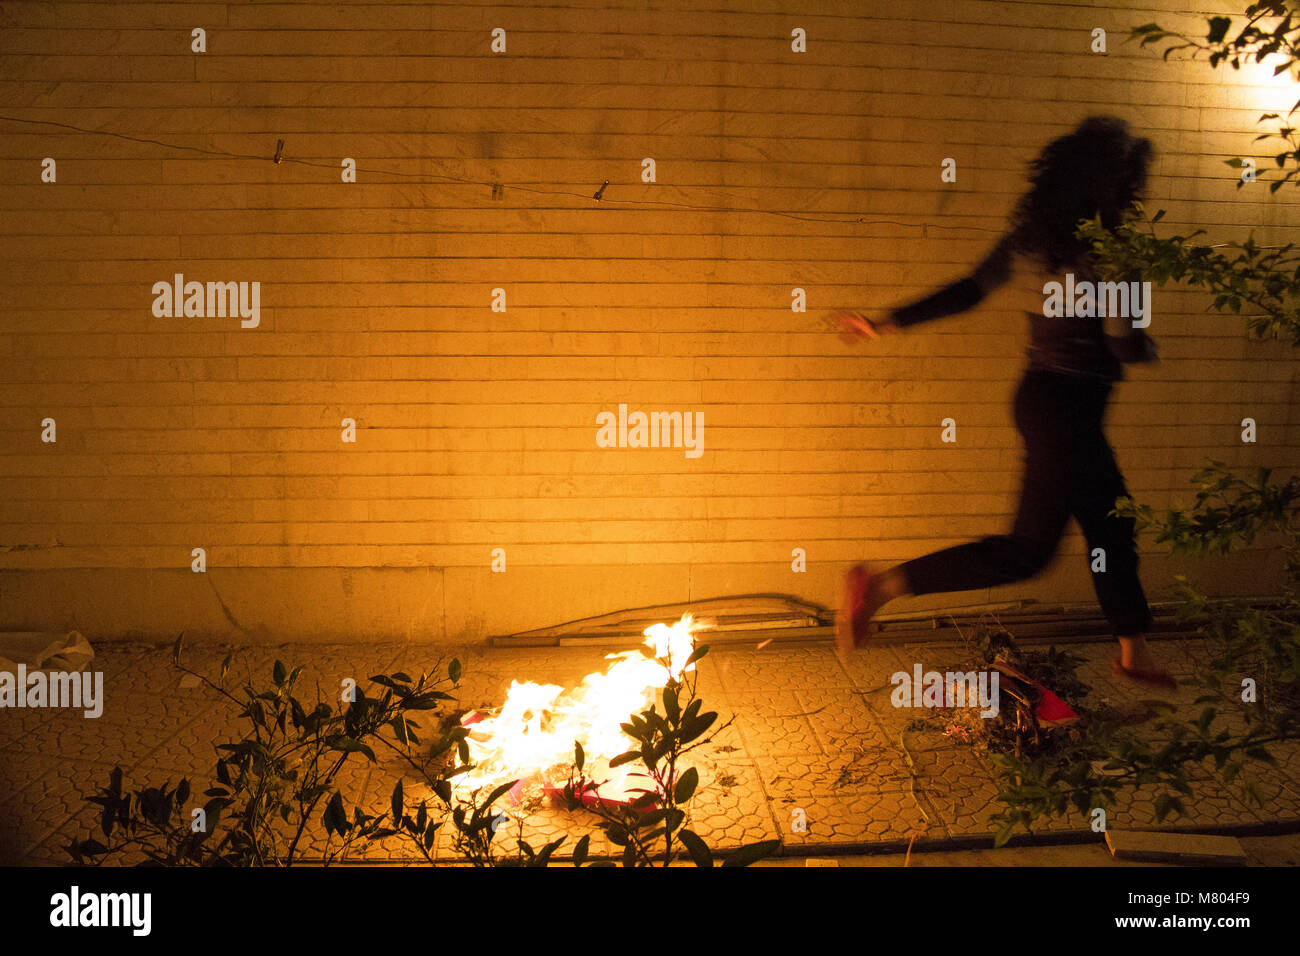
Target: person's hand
[854,326]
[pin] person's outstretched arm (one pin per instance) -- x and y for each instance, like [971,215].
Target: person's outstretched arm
[966,293]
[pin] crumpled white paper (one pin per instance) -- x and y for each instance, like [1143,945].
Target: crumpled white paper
[39,651]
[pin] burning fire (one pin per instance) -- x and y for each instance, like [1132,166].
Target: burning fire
[538,724]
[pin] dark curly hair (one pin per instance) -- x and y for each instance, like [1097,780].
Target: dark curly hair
[1100,168]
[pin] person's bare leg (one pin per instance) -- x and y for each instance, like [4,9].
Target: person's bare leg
[1136,653]
[886,586]
[1137,661]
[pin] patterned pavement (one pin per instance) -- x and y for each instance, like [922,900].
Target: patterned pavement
[815,755]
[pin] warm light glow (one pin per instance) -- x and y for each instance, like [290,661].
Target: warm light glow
[1258,88]
[536,727]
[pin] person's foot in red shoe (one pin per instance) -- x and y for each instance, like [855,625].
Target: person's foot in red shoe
[853,603]
[864,594]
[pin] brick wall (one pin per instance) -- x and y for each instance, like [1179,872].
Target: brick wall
[476,429]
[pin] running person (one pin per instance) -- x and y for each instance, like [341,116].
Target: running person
[1060,403]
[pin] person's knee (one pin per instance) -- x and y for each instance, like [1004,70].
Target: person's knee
[1031,555]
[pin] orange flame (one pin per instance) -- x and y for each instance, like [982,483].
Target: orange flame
[537,726]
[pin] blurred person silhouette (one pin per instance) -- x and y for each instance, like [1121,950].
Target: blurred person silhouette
[1099,169]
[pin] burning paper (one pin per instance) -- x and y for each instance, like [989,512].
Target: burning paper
[536,727]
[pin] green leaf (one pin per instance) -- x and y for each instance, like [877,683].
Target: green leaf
[397,802]
[686,784]
[426,701]
[92,847]
[580,851]
[696,654]
[176,648]
[453,671]
[1004,834]
[1164,803]
[1207,716]
[1261,753]
[544,854]
[752,853]
[653,818]
[671,707]
[694,728]
[400,730]
[579,758]
[696,848]
[496,795]
[278,673]
[335,818]
[348,744]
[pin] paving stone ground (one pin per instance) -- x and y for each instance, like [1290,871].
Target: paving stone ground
[815,754]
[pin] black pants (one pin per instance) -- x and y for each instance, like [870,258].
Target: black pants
[1069,470]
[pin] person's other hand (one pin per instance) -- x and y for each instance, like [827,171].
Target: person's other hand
[854,326]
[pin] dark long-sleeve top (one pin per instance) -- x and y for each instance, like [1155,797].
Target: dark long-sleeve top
[1087,347]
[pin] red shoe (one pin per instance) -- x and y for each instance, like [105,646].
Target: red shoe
[1142,675]
[853,626]
[1049,710]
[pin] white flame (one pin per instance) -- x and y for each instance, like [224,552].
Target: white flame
[538,724]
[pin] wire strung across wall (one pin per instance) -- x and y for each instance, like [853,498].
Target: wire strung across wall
[496,186]
[440,179]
